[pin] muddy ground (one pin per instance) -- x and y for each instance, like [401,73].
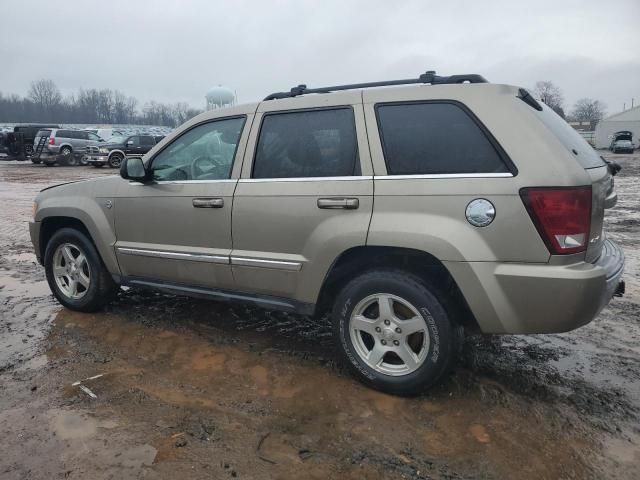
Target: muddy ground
[195,389]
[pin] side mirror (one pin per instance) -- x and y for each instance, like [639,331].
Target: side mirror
[133,169]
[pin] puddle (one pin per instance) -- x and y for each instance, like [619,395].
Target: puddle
[305,409]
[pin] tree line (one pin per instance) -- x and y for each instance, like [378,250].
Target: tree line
[45,103]
[584,110]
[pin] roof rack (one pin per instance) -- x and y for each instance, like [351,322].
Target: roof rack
[429,77]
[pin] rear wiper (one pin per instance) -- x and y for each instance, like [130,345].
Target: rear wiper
[614,167]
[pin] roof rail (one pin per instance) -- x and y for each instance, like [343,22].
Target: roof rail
[429,77]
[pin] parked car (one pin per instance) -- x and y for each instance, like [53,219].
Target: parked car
[118,148]
[409,213]
[18,144]
[63,146]
[622,135]
[105,133]
[622,146]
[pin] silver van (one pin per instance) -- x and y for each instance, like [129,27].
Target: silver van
[61,145]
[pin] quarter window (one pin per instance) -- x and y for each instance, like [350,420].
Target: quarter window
[315,143]
[434,138]
[205,152]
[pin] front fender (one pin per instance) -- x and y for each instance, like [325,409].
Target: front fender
[94,215]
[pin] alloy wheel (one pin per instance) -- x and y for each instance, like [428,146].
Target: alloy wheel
[389,334]
[71,271]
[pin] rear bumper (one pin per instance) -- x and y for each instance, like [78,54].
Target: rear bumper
[539,298]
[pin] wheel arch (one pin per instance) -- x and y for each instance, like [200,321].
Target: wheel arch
[51,224]
[357,260]
[116,151]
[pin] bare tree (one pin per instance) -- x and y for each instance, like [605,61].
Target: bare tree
[45,95]
[588,110]
[551,95]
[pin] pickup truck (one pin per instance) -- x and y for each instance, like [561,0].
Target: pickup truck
[118,148]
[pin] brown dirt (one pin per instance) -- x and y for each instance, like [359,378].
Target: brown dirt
[195,389]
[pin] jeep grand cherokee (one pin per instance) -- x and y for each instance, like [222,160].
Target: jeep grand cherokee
[408,212]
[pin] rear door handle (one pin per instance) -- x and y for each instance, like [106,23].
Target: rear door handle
[208,202]
[344,203]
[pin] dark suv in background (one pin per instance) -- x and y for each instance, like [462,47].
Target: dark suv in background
[118,148]
[18,144]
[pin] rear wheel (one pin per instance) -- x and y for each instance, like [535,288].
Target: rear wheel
[115,160]
[394,333]
[33,160]
[67,157]
[75,273]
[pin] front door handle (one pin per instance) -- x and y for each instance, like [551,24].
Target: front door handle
[208,202]
[344,203]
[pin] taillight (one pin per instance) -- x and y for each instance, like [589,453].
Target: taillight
[562,216]
[52,141]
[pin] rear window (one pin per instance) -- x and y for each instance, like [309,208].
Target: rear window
[584,153]
[434,139]
[43,133]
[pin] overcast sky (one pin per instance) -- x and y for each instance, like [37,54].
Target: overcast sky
[174,51]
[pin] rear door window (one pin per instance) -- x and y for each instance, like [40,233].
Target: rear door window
[146,140]
[313,143]
[435,138]
[64,134]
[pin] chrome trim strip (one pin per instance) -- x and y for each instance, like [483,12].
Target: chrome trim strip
[184,182]
[305,179]
[191,182]
[444,175]
[191,257]
[259,262]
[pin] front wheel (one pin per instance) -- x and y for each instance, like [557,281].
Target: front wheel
[115,160]
[75,273]
[394,333]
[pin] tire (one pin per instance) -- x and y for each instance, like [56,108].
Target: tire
[66,157]
[37,162]
[94,285]
[98,165]
[435,348]
[83,161]
[115,160]
[48,164]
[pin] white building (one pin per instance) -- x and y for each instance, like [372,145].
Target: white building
[627,120]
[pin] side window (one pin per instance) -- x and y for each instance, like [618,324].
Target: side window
[434,138]
[133,141]
[314,143]
[83,135]
[93,137]
[205,152]
[63,134]
[147,141]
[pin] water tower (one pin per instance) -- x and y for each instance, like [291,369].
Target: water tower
[219,97]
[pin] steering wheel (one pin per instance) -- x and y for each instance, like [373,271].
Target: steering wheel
[204,166]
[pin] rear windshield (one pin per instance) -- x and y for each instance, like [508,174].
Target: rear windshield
[43,133]
[572,140]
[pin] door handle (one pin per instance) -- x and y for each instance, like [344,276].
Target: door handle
[208,202]
[334,203]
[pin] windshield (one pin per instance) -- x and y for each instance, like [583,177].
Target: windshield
[118,139]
